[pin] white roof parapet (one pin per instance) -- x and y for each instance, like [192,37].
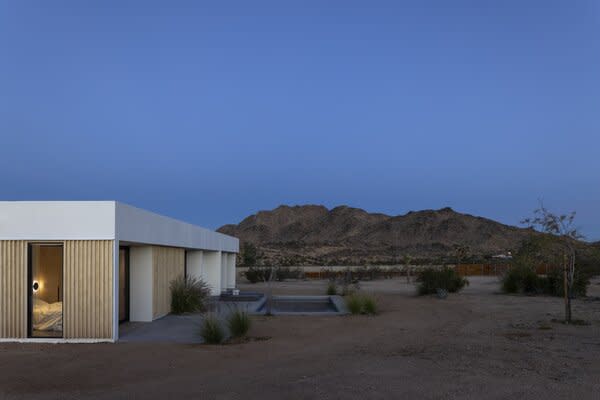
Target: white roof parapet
[141,226]
[104,220]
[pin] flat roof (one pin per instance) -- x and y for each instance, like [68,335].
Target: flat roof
[104,220]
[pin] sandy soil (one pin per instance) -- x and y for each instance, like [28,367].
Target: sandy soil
[476,344]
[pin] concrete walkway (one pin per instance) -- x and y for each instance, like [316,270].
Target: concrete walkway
[168,329]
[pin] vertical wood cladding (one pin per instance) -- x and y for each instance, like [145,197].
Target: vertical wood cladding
[167,264]
[88,296]
[13,289]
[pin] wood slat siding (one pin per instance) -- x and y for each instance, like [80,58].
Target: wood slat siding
[88,294]
[13,289]
[167,264]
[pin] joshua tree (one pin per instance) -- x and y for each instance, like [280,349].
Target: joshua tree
[562,227]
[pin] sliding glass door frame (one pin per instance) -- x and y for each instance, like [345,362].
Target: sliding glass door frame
[30,286]
[126,284]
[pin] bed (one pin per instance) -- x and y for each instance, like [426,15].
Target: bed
[47,316]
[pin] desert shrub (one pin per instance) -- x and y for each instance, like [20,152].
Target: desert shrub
[510,282]
[212,332]
[522,279]
[431,279]
[249,254]
[369,305]
[256,274]
[354,304]
[331,289]
[238,323]
[188,294]
[361,304]
[283,273]
[553,283]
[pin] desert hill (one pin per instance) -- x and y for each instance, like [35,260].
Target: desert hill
[313,234]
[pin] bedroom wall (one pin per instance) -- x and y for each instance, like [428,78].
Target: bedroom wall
[48,266]
[13,289]
[167,264]
[88,294]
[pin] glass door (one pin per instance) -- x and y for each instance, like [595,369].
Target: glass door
[45,272]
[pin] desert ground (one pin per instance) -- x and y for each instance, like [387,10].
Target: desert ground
[473,345]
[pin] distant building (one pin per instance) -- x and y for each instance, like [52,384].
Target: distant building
[504,256]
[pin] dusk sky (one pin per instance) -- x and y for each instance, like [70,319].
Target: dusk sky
[211,111]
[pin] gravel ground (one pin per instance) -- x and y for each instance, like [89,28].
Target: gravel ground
[476,344]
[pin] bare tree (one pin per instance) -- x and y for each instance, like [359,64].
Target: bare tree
[563,227]
[268,279]
[406,260]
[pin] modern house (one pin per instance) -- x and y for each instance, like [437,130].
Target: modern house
[73,270]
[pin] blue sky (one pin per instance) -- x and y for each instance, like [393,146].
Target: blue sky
[210,111]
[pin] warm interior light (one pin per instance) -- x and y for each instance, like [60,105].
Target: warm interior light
[36,286]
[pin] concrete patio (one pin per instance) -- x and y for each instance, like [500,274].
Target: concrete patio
[169,329]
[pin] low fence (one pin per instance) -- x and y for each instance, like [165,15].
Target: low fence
[481,269]
[391,271]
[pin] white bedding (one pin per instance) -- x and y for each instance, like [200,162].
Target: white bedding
[47,316]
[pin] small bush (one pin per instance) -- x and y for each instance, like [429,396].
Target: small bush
[188,294]
[254,274]
[431,279]
[331,289]
[354,304]
[511,281]
[554,283]
[364,304]
[369,305]
[526,279]
[523,279]
[238,323]
[211,331]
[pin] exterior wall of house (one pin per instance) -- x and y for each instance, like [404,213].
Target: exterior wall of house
[195,263]
[13,289]
[88,289]
[223,268]
[211,271]
[168,263]
[231,274]
[140,283]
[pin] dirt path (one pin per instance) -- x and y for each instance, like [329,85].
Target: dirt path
[475,345]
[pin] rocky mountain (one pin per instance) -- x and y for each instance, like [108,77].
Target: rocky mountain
[315,235]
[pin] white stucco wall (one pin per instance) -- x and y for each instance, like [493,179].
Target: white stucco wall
[140,284]
[231,275]
[57,220]
[224,271]
[212,271]
[195,263]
